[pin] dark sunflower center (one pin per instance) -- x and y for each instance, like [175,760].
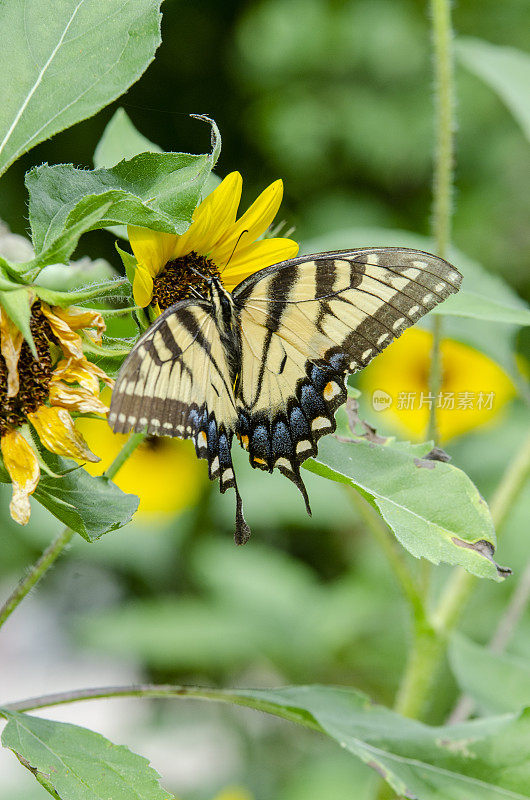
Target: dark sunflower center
[34,376]
[178,281]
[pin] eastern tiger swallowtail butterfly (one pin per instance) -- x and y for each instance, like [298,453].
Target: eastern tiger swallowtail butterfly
[268,361]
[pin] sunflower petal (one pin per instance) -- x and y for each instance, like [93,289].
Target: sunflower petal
[212,218]
[142,287]
[251,225]
[70,341]
[83,372]
[77,318]
[23,468]
[11,340]
[258,256]
[198,237]
[152,249]
[57,433]
[75,399]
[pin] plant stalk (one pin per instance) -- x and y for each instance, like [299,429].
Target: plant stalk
[39,568]
[54,550]
[443,173]
[386,541]
[148,690]
[431,643]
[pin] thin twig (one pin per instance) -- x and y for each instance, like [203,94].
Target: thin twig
[385,539]
[54,550]
[428,646]
[461,583]
[35,573]
[149,690]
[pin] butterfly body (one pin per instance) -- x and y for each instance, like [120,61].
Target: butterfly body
[268,362]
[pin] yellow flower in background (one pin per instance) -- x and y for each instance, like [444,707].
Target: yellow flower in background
[233,793]
[43,391]
[474,388]
[164,473]
[216,244]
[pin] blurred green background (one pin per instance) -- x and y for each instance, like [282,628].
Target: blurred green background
[335,98]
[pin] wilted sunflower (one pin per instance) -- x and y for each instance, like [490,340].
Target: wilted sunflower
[215,245]
[42,391]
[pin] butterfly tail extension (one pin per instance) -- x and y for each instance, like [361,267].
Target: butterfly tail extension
[227,480]
[214,443]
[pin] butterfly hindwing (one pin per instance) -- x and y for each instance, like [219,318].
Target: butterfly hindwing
[176,382]
[308,322]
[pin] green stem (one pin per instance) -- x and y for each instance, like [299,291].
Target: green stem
[431,641]
[386,541]
[415,685]
[54,550]
[126,451]
[35,573]
[462,583]
[443,171]
[148,690]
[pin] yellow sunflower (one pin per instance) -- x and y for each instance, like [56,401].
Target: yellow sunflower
[474,388]
[43,391]
[216,244]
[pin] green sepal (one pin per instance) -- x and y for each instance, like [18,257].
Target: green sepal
[110,355]
[129,262]
[9,270]
[17,305]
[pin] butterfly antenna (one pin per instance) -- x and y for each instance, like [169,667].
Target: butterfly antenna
[196,271]
[234,250]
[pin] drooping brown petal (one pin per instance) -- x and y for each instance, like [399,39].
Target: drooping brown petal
[57,433]
[82,318]
[23,468]
[83,372]
[70,342]
[76,399]
[11,341]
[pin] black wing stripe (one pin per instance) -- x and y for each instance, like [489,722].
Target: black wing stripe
[280,283]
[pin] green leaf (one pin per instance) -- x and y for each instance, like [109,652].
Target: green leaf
[480,760]
[432,507]
[90,506]
[470,304]
[57,73]
[497,682]
[121,140]
[80,764]
[505,69]
[153,190]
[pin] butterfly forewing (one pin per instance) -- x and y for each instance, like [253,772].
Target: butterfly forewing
[308,322]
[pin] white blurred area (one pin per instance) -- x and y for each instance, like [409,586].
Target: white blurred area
[187,743]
